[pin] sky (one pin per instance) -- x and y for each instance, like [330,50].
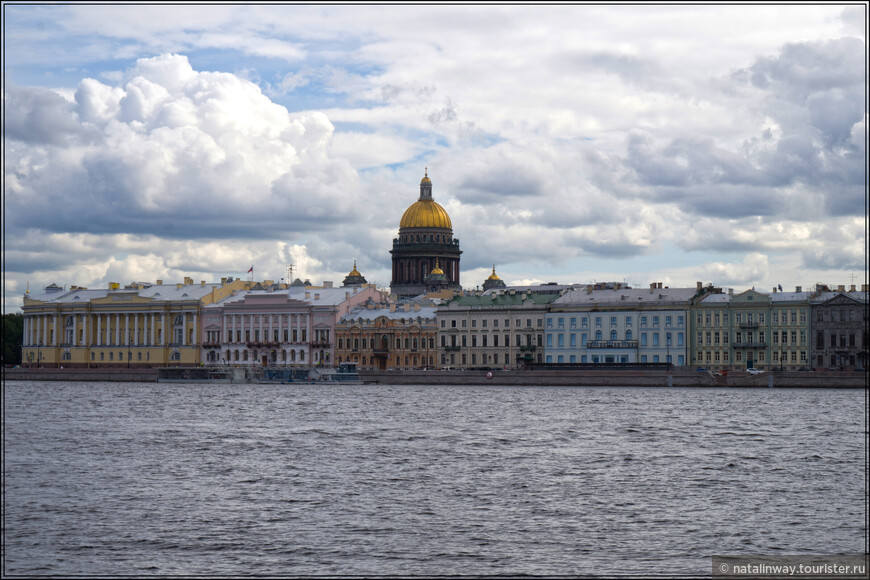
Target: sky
[725,144]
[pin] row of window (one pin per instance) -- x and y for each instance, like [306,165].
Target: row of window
[629,336]
[385,342]
[484,323]
[614,321]
[708,318]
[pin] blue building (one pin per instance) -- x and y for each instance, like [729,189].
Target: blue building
[620,325]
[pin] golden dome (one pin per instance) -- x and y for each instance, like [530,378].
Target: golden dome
[425,177]
[436,269]
[354,272]
[425,213]
[493,276]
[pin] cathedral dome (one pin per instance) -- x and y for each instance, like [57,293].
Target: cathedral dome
[425,212]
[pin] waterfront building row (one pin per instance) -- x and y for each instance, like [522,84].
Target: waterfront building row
[245,323]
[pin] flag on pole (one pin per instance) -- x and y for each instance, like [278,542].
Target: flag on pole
[251,269]
[780,287]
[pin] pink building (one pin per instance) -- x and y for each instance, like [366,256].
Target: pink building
[275,326]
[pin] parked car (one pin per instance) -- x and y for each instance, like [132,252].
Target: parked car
[754,371]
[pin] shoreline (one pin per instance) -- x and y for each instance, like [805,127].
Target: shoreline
[576,378]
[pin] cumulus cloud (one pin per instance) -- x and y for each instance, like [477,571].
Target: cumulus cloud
[173,151]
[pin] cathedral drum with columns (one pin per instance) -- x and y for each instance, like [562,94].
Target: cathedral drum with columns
[425,255]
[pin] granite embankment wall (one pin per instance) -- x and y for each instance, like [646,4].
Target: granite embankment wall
[102,375]
[620,378]
[585,378]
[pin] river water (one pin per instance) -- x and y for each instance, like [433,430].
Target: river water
[168,479]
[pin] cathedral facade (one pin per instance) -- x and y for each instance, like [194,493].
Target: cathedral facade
[425,255]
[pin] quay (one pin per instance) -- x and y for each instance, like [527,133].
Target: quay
[568,378]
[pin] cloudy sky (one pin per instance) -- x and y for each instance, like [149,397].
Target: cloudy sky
[723,144]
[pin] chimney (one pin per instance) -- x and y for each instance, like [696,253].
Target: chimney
[392,306]
[160,282]
[864,287]
[188,280]
[699,286]
[652,287]
[731,291]
[660,285]
[589,288]
[327,284]
[798,289]
[179,285]
[202,282]
[416,308]
[852,288]
[224,281]
[347,295]
[774,289]
[841,288]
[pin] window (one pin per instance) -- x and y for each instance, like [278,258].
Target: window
[655,339]
[584,322]
[612,335]
[643,321]
[668,320]
[597,322]
[643,339]
[561,323]
[681,320]
[628,320]
[628,334]
[573,322]
[612,321]
[655,320]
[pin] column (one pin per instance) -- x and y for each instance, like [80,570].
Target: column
[196,337]
[136,329]
[183,328]
[45,329]
[127,329]
[57,330]
[118,329]
[153,326]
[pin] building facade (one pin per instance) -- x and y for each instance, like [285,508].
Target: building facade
[388,336]
[751,329]
[620,325]
[285,326]
[139,325]
[425,247]
[502,329]
[839,329]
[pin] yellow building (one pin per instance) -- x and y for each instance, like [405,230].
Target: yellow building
[139,325]
[401,337]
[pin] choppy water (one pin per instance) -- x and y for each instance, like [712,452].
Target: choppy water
[142,479]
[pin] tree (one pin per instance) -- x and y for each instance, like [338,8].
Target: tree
[13,333]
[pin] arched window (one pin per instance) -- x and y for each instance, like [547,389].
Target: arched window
[597,335]
[628,334]
[612,335]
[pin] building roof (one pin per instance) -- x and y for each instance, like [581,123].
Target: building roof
[313,296]
[163,292]
[499,300]
[627,297]
[369,314]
